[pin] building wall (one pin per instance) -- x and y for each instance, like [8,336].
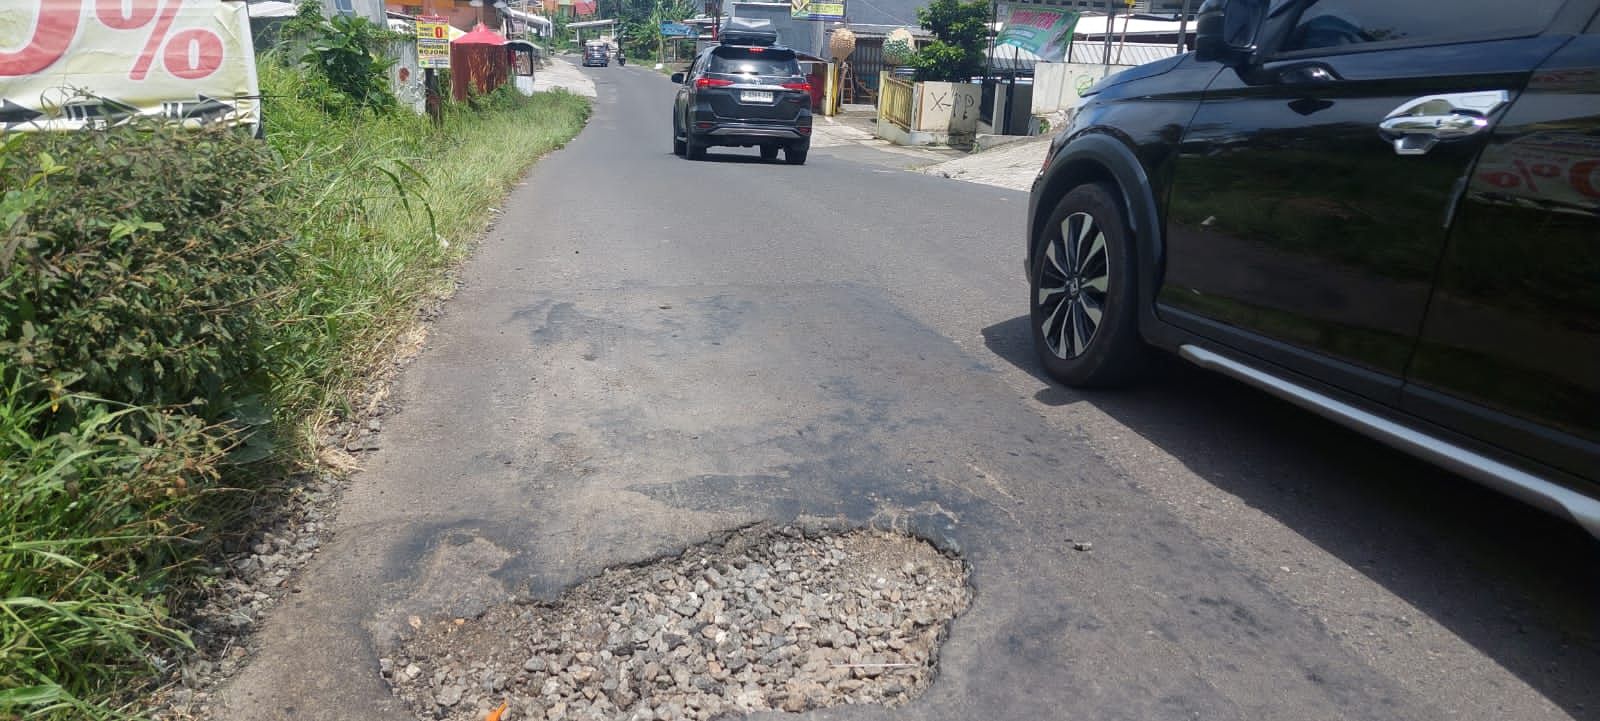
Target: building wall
[1056,86]
[947,107]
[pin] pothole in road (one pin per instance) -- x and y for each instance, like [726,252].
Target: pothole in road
[768,619]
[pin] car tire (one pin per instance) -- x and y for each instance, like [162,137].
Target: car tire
[678,146]
[1083,299]
[796,154]
[769,152]
[694,149]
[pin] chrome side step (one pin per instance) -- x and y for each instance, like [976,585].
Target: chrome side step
[1531,489]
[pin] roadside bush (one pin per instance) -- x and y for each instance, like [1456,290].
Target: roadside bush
[343,53]
[136,267]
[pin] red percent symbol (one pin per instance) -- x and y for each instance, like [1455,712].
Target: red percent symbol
[188,54]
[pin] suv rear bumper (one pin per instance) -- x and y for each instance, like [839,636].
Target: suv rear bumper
[735,132]
[758,132]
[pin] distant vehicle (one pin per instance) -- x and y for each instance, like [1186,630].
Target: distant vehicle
[1382,212]
[596,54]
[746,92]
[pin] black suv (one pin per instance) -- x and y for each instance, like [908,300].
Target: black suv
[743,92]
[1384,211]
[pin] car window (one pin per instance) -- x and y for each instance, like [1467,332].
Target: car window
[753,61]
[1340,23]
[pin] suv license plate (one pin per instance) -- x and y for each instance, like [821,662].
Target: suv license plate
[756,96]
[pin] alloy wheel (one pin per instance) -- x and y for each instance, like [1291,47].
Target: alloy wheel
[1072,285]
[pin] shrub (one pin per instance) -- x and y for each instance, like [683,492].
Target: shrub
[344,54]
[962,29]
[135,265]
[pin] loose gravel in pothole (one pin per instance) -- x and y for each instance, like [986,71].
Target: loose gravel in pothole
[769,619]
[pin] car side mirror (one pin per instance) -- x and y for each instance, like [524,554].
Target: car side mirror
[1226,30]
[677,78]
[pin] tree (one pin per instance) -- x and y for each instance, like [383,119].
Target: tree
[961,30]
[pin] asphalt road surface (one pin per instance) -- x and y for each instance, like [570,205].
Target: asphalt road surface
[647,349]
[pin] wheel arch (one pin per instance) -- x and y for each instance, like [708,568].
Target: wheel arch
[1099,157]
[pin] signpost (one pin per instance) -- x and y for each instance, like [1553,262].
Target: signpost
[678,30]
[433,42]
[433,54]
[92,63]
[816,10]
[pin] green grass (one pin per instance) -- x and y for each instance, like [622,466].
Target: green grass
[99,531]
[389,205]
[85,511]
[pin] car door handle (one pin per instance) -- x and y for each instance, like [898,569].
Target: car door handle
[1444,127]
[1421,123]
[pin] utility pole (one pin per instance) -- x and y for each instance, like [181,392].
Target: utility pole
[1111,30]
[1183,27]
[989,36]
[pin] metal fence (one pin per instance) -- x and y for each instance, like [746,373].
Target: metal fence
[895,99]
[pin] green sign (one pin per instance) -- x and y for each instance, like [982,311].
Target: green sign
[815,10]
[1045,32]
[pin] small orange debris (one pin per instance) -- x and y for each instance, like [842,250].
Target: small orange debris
[495,714]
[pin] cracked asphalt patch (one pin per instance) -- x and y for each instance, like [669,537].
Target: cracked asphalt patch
[787,618]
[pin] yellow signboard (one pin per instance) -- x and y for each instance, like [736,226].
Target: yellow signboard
[433,42]
[68,64]
[815,10]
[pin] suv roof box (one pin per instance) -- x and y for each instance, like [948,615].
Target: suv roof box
[749,31]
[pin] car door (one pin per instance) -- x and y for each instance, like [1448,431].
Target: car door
[684,100]
[1310,197]
[1510,347]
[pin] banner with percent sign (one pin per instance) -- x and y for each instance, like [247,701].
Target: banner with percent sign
[67,64]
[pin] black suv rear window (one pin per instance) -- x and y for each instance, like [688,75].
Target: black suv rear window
[753,61]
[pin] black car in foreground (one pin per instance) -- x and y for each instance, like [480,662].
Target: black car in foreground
[1384,211]
[746,91]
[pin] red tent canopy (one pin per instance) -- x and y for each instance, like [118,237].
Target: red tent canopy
[478,63]
[480,35]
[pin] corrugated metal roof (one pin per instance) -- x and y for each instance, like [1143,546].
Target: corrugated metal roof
[1139,6]
[1121,54]
[1095,25]
[875,30]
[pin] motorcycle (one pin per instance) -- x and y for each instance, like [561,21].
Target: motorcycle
[621,59]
